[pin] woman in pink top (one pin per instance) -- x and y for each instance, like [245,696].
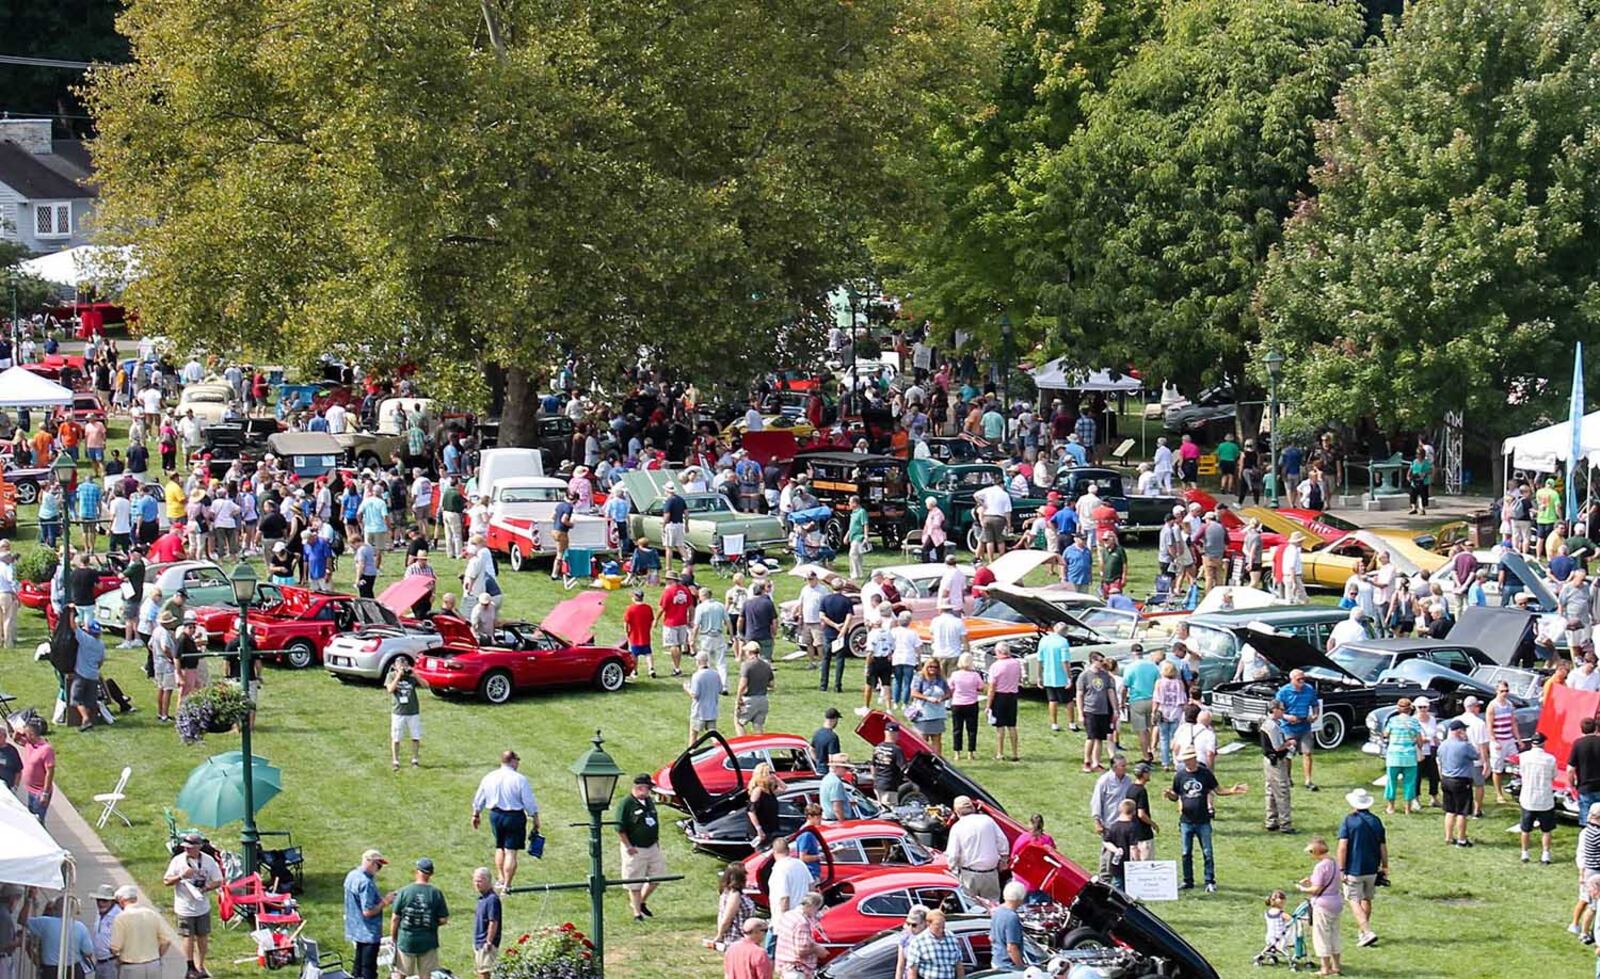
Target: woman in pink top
[1005,679]
[1171,697]
[1035,834]
[933,535]
[965,685]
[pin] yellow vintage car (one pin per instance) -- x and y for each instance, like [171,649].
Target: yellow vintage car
[1330,564]
[801,428]
[1323,526]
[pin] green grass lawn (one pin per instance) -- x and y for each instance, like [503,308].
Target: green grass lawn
[1448,909]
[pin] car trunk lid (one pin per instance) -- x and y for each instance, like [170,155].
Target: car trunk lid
[401,596]
[573,620]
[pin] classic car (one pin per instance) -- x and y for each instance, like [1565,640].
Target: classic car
[710,516]
[991,618]
[85,407]
[1135,514]
[772,421]
[1351,681]
[957,449]
[1322,524]
[876,957]
[719,762]
[953,488]
[1446,689]
[1521,575]
[222,620]
[369,651]
[307,454]
[1038,614]
[853,848]
[723,827]
[203,583]
[210,402]
[522,521]
[854,910]
[26,480]
[559,651]
[880,482]
[298,629]
[1331,564]
[36,594]
[1213,410]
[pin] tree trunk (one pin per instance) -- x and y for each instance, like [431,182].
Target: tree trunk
[519,414]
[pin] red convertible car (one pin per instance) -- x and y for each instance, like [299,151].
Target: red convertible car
[298,627]
[36,594]
[558,651]
[852,849]
[788,754]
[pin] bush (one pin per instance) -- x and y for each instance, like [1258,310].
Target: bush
[37,565]
[214,708]
[549,953]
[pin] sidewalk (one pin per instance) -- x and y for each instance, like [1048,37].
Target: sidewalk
[97,866]
[1443,510]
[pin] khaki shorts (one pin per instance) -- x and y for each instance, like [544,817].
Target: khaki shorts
[418,966]
[1141,715]
[484,957]
[646,861]
[810,634]
[1325,938]
[994,530]
[672,536]
[1360,888]
[699,727]
[401,725]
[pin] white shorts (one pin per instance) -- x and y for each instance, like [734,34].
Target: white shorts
[675,635]
[402,726]
[1500,753]
[166,675]
[672,535]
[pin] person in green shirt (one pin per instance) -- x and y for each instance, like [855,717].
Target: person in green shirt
[1228,462]
[453,506]
[418,912]
[1547,510]
[1113,563]
[856,536]
[1418,479]
[639,831]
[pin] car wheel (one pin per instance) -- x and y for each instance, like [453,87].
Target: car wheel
[610,677]
[894,534]
[27,493]
[858,641]
[369,460]
[834,533]
[300,654]
[518,561]
[1083,938]
[972,538]
[1331,731]
[496,687]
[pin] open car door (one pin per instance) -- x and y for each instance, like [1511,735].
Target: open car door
[934,779]
[691,792]
[824,879]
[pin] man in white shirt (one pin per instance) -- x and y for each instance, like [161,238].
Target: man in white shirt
[993,512]
[753,422]
[337,417]
[1537,799]
[790,881]
[1162,464]
[952,588]
[1352,629]
[976,850]
[121,521]
[508,796]
[949,638]
[1291,570]
[193,874]
[1478,737]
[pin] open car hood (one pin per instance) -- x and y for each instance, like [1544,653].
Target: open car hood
[1426,673]
[1041,612]
[645,486]
[1532,583]
[939,780]
[573,620]
[1288,652]
[1560,717]
[1013,566]
[691,792]
[408,591]
[1504,634]
[1243,597]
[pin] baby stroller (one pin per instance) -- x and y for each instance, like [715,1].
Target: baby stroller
[1286,942]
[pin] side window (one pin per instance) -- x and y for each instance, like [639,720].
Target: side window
[326,612]
[911,852]
[849,851]
[893,904]
[1455,659]
[939,898]
[792,760]
[746,760]
[1311,632]
[879,849]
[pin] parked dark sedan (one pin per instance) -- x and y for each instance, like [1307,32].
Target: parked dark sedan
[1446,689]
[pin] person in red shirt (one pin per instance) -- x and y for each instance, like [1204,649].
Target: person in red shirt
[637,621]
[676,603]
[748,958]
[982,578]
[1105,520]
[168,547]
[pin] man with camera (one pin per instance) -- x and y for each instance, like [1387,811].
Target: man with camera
[405,715]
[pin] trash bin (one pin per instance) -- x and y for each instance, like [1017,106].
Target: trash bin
[1483,527]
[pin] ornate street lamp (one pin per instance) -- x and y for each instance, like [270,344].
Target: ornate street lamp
[597,782]
[244,580]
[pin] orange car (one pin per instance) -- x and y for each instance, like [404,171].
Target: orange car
[994,619]
[8,508]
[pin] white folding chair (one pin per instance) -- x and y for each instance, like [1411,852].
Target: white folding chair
[729,554]
[110,799]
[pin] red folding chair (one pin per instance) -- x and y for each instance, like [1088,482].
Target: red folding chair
[248,900]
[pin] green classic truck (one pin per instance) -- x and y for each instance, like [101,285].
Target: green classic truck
[710,516]
[953,488]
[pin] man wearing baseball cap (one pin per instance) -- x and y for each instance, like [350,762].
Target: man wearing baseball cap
[1537,799]
[363,914]
[639,832]
[86,674]
[419,912]
[1457,760]
[193,874]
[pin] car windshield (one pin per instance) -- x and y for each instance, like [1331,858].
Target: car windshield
[532,494]
[995,609]
[206,397]
[1365,664]
[970,479]
[708,503]
[1337,523]
[1524,683]
[1112,623]
[1212,641]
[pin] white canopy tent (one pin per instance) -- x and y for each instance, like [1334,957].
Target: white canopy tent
[1058,376]
[101,264]
[1546,449]
[28,855]
[22,388]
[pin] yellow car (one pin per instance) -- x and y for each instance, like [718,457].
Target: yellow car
[801,428]
[1323,526]
[1330,564]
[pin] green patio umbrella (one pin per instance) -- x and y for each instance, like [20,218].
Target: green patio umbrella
[213,795]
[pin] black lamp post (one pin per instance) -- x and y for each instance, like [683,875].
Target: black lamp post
[851,372]
[66,470]
[1274,362]
[597,783]
[244,582]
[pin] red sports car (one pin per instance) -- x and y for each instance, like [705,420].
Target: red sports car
[558,651]
[297,627]
[856,909]
[852,849]
[36,594]
[788,754]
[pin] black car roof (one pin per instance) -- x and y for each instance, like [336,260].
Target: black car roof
[847,458]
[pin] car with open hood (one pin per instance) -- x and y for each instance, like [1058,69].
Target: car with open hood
[1330,564]
[1322,525]
[719,763]
[722,828]
[370,650]
[1522,575]
[876,957]
[1448,689]
[298,628]
[522,512]
[521,656]
[850,849]
[1033,613]
[709,517]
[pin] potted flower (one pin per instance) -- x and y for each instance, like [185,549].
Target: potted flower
[219,707]
[549,953]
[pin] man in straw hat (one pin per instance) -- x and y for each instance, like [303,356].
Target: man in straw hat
[1291,570]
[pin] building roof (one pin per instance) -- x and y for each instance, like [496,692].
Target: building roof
[62,175]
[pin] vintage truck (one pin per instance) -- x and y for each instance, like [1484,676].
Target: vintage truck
[522,521]
[953,487]
[1137,514]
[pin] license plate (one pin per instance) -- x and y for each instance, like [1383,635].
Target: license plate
[431,663]
[339,661]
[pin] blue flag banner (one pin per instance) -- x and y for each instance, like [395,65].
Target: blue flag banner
[1575,451]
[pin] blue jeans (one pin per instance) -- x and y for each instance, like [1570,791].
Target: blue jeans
[901,690]
[1167,729]
[38,805]
[1189,832]
[1585,800]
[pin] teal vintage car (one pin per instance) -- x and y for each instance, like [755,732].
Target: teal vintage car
[710,516]
[953,488]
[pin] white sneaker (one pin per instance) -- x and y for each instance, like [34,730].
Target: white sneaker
[1055,727]
[1574,930]
[1544,858]
[861,712]
[1524,856]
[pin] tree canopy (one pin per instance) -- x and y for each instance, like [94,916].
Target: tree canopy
[1447,258]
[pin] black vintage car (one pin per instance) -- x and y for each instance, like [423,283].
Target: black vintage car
[1351,682]
[879,480]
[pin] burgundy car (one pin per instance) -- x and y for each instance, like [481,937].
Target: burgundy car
[718,768]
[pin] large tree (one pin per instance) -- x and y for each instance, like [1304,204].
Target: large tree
[1447,259]
[1147,231]
[494,187]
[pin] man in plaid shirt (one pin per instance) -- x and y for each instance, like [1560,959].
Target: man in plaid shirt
[796,951]
[934,954]
[1085,430]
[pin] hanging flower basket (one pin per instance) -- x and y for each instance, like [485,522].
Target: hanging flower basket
[212,710]
[549,953]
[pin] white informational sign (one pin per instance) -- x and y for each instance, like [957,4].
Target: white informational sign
[1152,880]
